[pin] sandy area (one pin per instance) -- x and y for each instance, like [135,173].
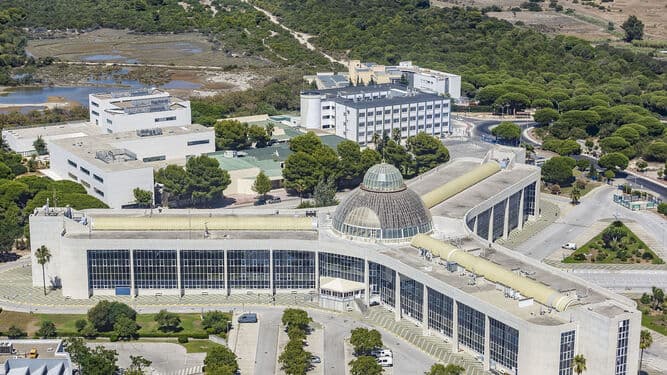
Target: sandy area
[555,23]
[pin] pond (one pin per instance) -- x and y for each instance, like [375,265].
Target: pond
[36,95]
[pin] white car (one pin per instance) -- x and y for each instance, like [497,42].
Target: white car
[386,361]
[570,246]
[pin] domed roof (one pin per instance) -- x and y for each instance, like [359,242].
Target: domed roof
[383,177]
[382,209]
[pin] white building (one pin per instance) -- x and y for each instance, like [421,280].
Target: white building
[358,112]
[111,166]
[501,311]
[140,109]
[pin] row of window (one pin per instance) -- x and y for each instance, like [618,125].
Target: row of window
[199,142]
[403,109]
[84,170]
[154,158]
[163,119]
[396,119]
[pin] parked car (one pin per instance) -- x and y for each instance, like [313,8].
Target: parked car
[374,303]
[386,361]
[315,359]
[248,318]
[273,200]
[570,246]
[379,353]
[260,202]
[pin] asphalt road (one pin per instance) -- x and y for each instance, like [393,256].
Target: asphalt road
[595,206]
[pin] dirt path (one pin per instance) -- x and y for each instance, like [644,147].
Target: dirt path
[302,38]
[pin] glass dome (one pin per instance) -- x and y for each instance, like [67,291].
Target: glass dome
[383,177]
[383,209]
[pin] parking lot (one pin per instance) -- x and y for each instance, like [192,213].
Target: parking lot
[166,358]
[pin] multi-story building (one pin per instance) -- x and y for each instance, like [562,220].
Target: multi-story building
[422,79]
[132,110]
[358,112]
[111,166]
[382,245]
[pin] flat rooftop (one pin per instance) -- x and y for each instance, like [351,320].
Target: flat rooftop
[129,95]
[87,147]
[45,349]
[389,100]
[22,138]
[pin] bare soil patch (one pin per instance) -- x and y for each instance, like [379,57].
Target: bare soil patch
[652,12]
[555,23]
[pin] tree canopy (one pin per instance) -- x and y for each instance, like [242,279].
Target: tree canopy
[558,170]
[634,29]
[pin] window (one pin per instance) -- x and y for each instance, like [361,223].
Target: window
[387,120]
[326,107]
[199,142]
[342,267]
[85,183]
[437,106]
[413,118]
[94,104]
[370,113]
[503,344]
[622,347]
[566,353]
[84,170]
[429,106]
[73,164]
[163,119]
[421,117]
[98,178]
[249,269]
[412,298]
[362,114]
[108,269]
[95,113]
[404,109]
[370,123]
[153,158]
[421,107]
[440,312]
[203,269]
[326,117]
[293,269]
[72,176]
[429,116]
[99,192]
[471,325]
[395,110]
[437,115]
[396,119]
[387,111]
[382,280]
[155,269]
[109,121]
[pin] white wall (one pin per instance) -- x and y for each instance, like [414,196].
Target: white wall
[171,146]
[311,110]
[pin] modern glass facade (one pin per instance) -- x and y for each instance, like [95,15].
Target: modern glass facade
[155,269]
[384,280]
[342,267]
[293,269]
[483,224]
[440,312]
[498,220]
[622,347]
[249,269]
[503,344]
[412,298]
[203,269]
[108,269]
[471,328]
[513,208]
[566,353]
[529,201]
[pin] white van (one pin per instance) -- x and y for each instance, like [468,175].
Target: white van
[386,361]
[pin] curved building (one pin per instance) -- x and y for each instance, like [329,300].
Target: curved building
[510,313]
[383,209]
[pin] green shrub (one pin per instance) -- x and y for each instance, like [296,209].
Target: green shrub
[113,337]
[183,339]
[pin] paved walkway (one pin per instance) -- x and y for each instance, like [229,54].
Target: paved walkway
[434,346]
[549,213]
[655,357]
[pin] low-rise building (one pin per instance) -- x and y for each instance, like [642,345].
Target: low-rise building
[132,110]
[34,357]
[111,166]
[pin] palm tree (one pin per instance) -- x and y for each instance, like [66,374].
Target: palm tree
[645,341]
[579,363]
[43,256]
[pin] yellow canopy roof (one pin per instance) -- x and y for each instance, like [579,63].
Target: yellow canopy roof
[493,272]
[185,222]
[457,185]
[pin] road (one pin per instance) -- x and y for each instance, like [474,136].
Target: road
[595,206]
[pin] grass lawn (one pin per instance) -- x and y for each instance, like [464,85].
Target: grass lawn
[190,323]
[653,319]
[565,190]
[625,247]
[199,346]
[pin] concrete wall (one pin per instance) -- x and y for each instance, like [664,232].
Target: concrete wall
[171,146]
